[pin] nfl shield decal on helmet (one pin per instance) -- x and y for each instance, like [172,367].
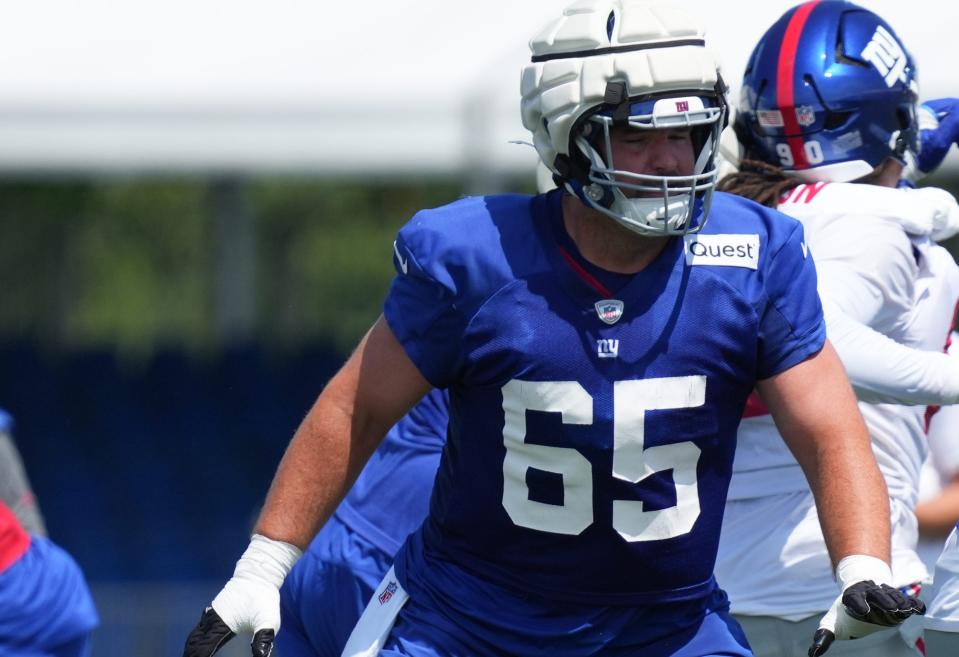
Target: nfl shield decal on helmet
[805,115]
[609,310]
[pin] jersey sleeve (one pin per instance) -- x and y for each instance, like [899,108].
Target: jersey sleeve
[421,306]
[942,434]
[869,272]
[944,443]
[791,325]
[902,376]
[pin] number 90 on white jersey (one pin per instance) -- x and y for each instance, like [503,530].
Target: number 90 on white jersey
[632,460]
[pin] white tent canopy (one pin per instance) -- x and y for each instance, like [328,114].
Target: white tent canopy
[375,87]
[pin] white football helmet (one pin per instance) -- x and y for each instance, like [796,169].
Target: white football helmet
[634,63]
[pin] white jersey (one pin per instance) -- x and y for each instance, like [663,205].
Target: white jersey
[884,294]
[941,464]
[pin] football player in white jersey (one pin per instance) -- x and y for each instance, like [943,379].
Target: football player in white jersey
[938,508]
[939,480]
[819,111]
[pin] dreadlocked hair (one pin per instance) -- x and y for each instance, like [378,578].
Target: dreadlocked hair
[760,182]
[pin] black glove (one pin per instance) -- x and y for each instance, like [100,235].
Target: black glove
[211,633]
[250,601]
[865,608]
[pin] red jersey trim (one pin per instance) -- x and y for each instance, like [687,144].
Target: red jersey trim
[755,406]
[14,539]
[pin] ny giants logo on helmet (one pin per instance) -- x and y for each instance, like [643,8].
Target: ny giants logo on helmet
[887,56]
[682,105]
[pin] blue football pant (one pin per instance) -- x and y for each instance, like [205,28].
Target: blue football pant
[489,628]
[327,590]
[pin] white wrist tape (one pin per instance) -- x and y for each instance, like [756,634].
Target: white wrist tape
[852,569]
[267,560]
[250,601]
[861,567]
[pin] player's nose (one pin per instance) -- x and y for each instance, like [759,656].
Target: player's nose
[662,158]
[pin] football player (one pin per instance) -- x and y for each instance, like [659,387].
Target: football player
[937,509]
[599,343]
[828,122]
[45,605]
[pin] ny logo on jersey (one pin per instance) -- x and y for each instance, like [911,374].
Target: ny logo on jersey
[607,348]
[885,53]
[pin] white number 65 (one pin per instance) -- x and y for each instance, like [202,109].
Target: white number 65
[632,461]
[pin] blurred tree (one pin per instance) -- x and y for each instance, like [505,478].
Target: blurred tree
[36,268]
[143,271]
[129,264]
[326,253]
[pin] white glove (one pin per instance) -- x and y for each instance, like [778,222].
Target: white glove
[867,603]
[941,208]
[250,601]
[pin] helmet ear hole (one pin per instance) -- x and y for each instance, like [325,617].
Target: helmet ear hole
[904,116]
[836,120]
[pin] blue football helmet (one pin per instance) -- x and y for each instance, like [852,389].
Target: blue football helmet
[829,93]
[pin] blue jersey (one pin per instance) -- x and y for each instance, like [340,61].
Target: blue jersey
[45,605]
[591,440]
[391,496]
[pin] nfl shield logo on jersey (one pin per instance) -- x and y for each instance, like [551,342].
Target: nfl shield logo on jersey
[609,310]
[387,593]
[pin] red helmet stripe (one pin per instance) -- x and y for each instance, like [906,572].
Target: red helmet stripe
[785,70]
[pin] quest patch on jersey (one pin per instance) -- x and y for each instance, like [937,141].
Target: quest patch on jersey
[724,250]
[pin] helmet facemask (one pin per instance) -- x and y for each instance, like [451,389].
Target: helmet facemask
[605,64]
[647,203]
